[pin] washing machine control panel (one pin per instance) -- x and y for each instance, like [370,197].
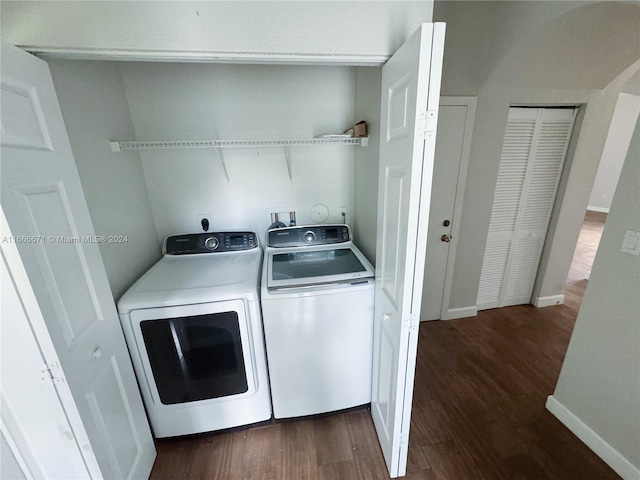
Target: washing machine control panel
[310,235]
[215,242]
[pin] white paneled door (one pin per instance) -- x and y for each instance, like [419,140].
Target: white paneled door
[45,209]
[533,154]
[410,97]
[455,125]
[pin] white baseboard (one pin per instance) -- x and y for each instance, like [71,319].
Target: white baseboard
[591,439]
[598,209]
[463,312]
[548,301]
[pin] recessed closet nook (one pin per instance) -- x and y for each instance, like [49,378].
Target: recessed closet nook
[166,190]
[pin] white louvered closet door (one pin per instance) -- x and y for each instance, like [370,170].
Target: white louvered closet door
[533,153]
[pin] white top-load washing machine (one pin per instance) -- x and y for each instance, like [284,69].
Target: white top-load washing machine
[317,305]
[194,331]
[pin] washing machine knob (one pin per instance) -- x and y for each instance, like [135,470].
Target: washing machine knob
[309,237]
[211,243]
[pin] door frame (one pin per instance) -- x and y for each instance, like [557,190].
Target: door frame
[470,103]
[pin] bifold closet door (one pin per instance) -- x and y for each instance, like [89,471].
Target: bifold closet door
[533,153]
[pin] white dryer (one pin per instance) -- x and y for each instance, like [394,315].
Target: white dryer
[194,331]
[317,304]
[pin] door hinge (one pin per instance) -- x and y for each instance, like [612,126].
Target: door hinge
[427,123]
[412,321]
[53,372]
[403,438]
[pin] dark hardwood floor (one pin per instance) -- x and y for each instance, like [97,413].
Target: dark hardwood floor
[478,410]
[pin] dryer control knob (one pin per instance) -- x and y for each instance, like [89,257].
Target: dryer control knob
[309,236]
[211,243]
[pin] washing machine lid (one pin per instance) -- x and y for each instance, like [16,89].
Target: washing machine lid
[315,265]
[190,279]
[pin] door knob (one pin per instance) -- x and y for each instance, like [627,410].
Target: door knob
[386,317]
[445,238]
[97,353]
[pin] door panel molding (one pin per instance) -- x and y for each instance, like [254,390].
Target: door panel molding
[397,127]
[36,136]
[392,255]
[46,208]
[110,378]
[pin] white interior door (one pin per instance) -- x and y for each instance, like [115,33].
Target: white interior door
[410,96]
[455,126]
[45,208]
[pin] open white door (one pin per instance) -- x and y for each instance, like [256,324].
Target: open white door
[410,97]
[54,240]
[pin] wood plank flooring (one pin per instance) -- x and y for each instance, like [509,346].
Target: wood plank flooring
[478,410]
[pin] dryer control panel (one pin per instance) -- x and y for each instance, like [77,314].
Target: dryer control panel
[310,235]
[215,242]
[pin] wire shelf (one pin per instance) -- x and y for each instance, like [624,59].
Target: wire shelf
[286,142]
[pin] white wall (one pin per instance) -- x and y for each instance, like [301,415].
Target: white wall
[205,101]
[94,108]
[504,52]
[600,378]
[351,32]
[548,53]
[481,33]
[237,31]
[368,85]
[166,29]
[575,187]
[615,150]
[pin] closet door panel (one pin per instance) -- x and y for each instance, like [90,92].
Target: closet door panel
[516,150]
[525,256]
[548,159]
[493,268]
